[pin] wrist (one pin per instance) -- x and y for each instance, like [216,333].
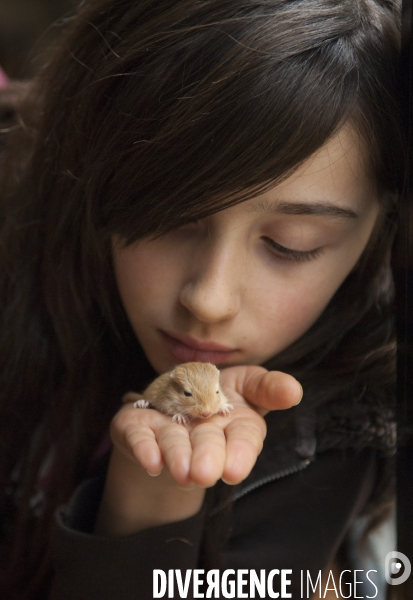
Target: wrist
[133,500]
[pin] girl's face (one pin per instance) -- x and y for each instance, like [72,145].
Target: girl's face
[254,277]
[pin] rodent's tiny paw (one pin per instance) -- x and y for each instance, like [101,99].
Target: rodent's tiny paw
[141,404]
[178,418]
[225,410]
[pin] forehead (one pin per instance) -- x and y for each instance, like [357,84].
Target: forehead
[335,181]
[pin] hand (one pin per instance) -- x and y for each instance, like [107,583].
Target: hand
[203,451]
[196,454]
[266,390]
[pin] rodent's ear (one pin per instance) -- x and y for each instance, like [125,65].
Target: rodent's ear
[174,373]
[179,375]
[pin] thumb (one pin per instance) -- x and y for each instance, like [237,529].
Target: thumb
[270,390]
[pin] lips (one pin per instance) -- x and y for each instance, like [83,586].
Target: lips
[198,345]
[187,349]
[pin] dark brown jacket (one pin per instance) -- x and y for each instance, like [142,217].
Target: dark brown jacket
[292,512]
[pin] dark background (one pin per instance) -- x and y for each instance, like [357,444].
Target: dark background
[26,31]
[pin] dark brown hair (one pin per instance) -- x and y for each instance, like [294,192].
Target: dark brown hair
[149,115]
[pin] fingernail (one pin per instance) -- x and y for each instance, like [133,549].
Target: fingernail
[154,474]
[228,482]
[302,393]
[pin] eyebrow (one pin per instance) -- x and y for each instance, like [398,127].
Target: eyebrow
[287,207]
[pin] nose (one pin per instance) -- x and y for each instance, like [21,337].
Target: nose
[213,290]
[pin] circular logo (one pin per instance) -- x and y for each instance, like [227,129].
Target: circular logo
[397,568]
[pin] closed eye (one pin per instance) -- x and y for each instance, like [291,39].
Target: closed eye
[289,254]
[187,393]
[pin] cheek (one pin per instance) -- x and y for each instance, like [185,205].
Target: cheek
[292,313]
[288,308]
[139,277]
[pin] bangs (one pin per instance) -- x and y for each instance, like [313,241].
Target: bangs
[227,148]
[173,111]
[210,115]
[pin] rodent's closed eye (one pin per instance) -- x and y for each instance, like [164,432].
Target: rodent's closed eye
[188,393]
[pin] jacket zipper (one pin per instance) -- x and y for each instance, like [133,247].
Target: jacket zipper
[303,464]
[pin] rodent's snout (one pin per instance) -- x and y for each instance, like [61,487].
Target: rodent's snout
[205,414]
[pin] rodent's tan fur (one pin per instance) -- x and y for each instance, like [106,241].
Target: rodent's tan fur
[166,393]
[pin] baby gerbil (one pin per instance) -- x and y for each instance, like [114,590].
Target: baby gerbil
[189,391]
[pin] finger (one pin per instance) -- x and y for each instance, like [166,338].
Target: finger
[136,440]
[273,390]
[269,390]
[175,446]
[245,436]
[209,454]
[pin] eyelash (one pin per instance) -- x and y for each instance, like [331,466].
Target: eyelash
[294,255]
[283,252]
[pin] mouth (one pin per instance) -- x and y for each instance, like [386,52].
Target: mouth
[187,349]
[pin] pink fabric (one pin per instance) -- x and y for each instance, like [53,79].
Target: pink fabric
[4,80]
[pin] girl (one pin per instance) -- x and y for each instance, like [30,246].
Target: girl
[208,181]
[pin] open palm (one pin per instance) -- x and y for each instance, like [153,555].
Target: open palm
[203,451]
